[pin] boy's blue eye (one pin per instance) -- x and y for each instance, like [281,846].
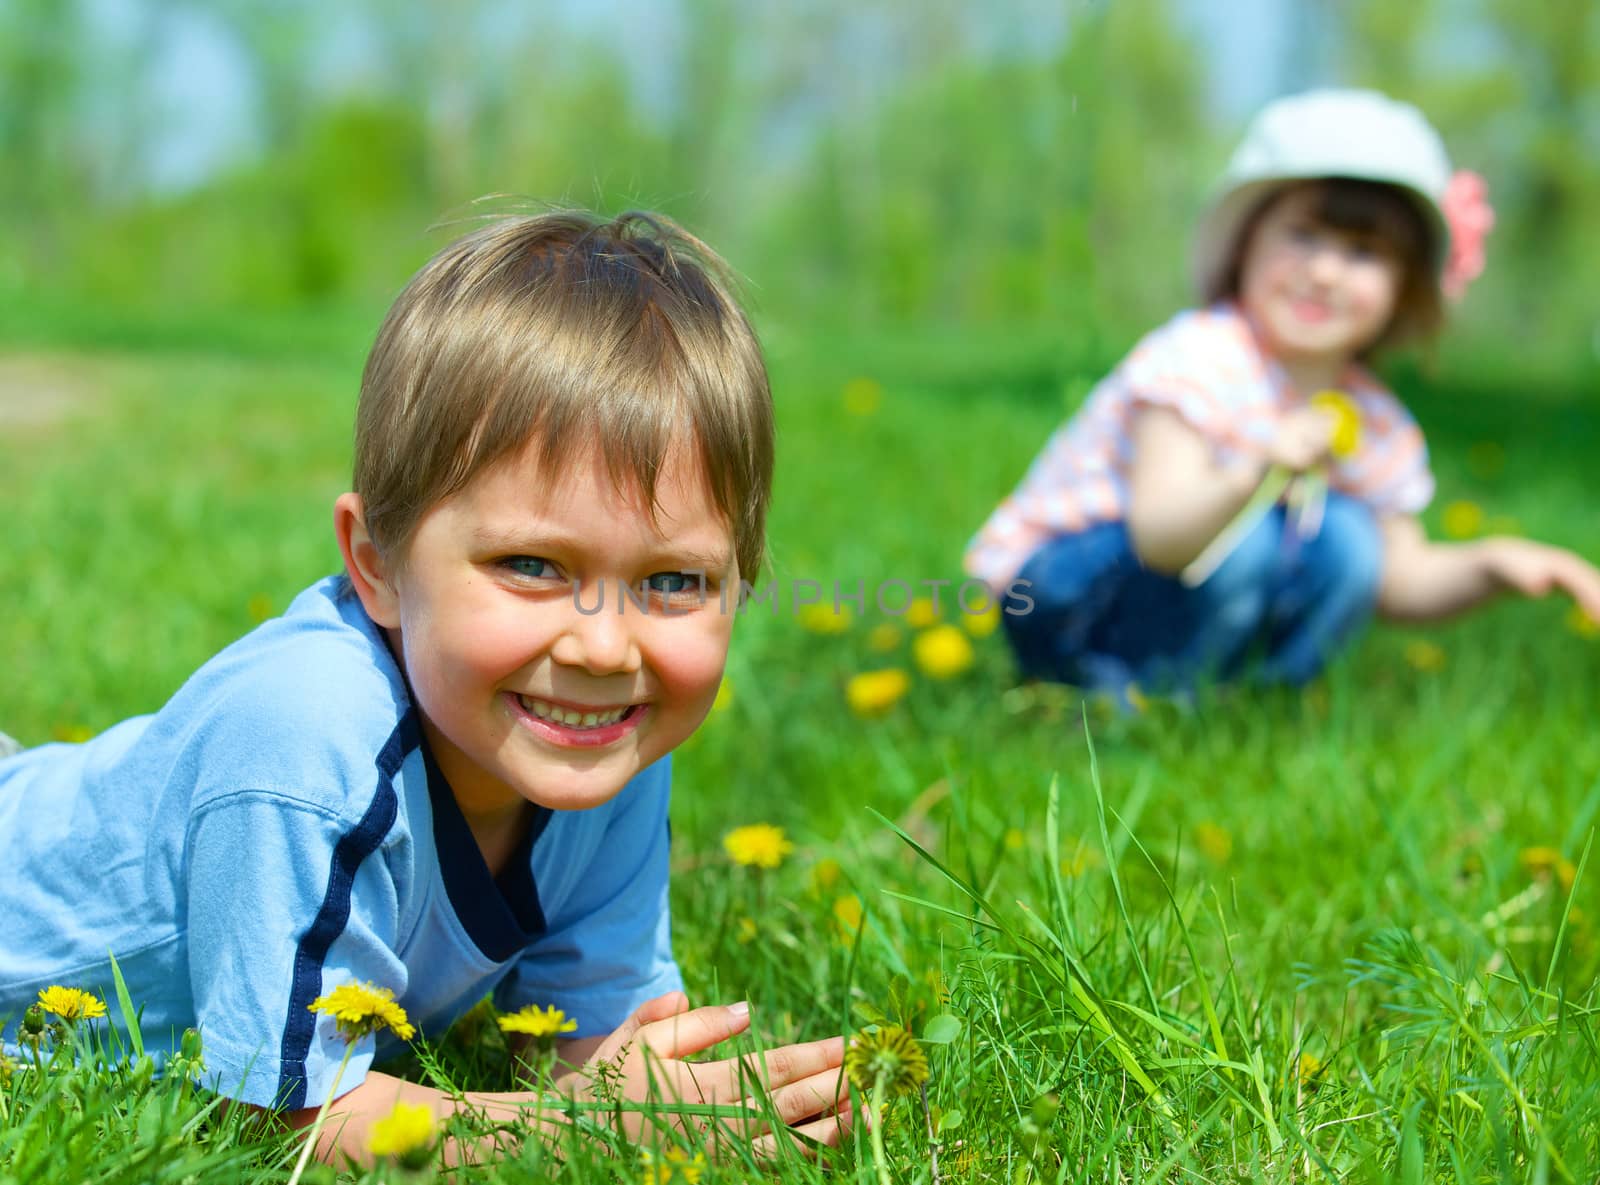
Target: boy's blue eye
[531,566]
[674,582]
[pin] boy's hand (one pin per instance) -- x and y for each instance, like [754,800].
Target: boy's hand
[1303,439]
[1537,569]
[804,1084]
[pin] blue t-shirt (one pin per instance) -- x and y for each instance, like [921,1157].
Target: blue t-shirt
[279,829]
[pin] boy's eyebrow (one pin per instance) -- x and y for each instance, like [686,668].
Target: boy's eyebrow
[501,539]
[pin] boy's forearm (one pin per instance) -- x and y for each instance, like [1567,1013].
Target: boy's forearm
[348,1129]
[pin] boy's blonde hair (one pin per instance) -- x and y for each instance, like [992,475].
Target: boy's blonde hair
[579,333]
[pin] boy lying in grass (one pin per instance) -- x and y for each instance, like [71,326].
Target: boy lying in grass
[445,771]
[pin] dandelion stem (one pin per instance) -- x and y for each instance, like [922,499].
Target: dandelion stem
[322,1115]
[875,1130]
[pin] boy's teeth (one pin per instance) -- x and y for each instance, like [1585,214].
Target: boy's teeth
[547,711]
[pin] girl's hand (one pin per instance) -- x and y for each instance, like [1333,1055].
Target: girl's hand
[804,1085]
[1303,439]
[1537,569]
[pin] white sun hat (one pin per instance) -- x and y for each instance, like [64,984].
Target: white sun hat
[1324,133]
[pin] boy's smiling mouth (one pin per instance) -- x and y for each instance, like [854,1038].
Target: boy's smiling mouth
[566,724]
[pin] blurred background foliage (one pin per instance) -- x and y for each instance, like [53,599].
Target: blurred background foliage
[865,164]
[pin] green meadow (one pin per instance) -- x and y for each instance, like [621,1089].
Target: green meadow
[1341,934]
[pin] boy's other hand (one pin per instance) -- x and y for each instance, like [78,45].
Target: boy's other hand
[804,1085]
[1303,439]
[1537,569]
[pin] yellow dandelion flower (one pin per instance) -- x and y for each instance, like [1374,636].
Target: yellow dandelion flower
[1214,842]
[1423,655]
[673,1167]
[1309,1069]
[1582,624]
[1014,839]
[538,1023]
[1541,863]
[848,914]
[1462,519]
[872,693]
[1347,429]
[363,1008]
[724,698]
[759,845]
[885,636]
[942,652]
[824,618]
[406,1134]
[983,623]
[71,1004]
[1081,861]
[745,931]
[862,396]
[825,874]
[72,734]
[922,613]
[259,607]
[887,1055]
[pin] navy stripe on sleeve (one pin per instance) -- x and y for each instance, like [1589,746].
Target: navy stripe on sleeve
[352,848]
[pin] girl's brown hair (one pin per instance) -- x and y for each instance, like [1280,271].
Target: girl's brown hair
[1373,208]
[577,333]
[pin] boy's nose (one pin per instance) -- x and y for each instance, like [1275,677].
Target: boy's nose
[600,636]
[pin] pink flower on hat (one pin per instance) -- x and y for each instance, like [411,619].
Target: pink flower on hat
[1467,210]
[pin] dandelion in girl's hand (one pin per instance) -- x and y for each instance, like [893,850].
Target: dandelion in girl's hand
[759,845]
[405,1134]
[942,652]
[672,1167]
[886,1058]
[873,693]
[70,1004]
[542,1024]
[363,1008]
[1347,416]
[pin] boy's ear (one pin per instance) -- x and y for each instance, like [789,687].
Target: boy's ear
[368,572]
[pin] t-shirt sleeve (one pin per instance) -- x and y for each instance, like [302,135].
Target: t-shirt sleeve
[1390,470]
[610,947]
[286,902]
[1202,367]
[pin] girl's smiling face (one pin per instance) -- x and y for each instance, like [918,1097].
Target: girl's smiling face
[1317,294]
[527,690]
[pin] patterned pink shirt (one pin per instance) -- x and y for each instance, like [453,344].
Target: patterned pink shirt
[1205,365]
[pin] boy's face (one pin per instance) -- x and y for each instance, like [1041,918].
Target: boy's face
[526,691]
[1318,294]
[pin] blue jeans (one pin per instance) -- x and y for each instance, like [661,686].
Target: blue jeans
[1101,620]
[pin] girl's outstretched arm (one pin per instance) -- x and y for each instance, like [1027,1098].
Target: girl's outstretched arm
[1426,581]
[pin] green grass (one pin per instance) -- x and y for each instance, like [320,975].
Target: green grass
[1142,960]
